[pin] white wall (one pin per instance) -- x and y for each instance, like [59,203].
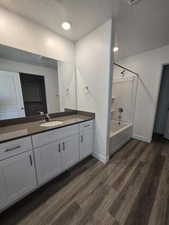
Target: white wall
[93,60]
[67,86]
[17,32]
[149,66]
[50,75]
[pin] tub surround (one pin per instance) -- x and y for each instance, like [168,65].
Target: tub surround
[118,127]
[12,132]
[120,134]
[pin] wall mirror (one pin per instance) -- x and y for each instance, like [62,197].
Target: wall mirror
[32,84]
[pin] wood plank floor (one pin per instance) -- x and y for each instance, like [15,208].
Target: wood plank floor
[132,189]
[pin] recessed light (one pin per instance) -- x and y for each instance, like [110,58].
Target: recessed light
[66,25]
[115,49]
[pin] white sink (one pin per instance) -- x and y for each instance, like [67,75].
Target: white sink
[51,124]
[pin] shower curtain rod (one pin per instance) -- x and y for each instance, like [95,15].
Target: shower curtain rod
[126,69]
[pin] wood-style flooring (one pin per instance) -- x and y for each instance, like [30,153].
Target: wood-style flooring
[132,189]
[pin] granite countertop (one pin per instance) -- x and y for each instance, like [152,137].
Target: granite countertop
[13,132]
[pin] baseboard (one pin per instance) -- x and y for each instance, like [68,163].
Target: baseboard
[104,159]
[141,138]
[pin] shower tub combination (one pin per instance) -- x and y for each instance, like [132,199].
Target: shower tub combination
[124,96]
[120,133]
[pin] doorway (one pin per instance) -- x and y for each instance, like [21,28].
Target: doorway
[11,100]
[34,95]
[161,126]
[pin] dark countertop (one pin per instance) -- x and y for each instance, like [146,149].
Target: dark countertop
[13,132]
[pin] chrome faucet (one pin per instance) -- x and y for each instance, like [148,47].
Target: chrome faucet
[47,117]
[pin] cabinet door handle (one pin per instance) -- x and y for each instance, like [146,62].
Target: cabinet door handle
[81,139]
[87,125]
[63,146]
[30,159]
[59,147]
[12,149]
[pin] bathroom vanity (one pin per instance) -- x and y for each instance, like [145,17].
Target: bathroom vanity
[31,154]
[42,133]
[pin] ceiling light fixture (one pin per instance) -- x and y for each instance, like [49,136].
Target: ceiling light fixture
[115,49]
[66,25]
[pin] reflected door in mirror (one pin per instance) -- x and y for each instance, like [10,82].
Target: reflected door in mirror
[34,95]
[11,100]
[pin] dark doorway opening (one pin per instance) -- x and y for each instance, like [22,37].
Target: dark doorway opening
[161,125]
[34,95]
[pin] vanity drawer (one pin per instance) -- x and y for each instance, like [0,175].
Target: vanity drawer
[44,138]
[68,131]
[54,135]
[15,147]
[86,125]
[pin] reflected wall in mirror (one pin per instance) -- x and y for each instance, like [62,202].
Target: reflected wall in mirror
[32,85]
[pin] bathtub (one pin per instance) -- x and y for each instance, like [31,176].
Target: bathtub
[120,133]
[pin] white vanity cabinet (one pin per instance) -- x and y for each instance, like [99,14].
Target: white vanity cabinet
[19,176]
[57,156]
[17,171]
[69,147]
[86,139]
[48,162]
[29,162]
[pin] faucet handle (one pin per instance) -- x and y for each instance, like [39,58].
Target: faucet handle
[47,117]
[42,113]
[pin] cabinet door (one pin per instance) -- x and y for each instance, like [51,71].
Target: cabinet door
[2,190]
[19,176]
[70,151]
[86,143]
[48,162]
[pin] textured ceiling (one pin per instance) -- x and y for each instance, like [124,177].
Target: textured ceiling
[142,27]
[138,28]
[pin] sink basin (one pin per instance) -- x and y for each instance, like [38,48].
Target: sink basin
[51,124]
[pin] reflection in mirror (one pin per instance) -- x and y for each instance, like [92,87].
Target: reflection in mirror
[32,85]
